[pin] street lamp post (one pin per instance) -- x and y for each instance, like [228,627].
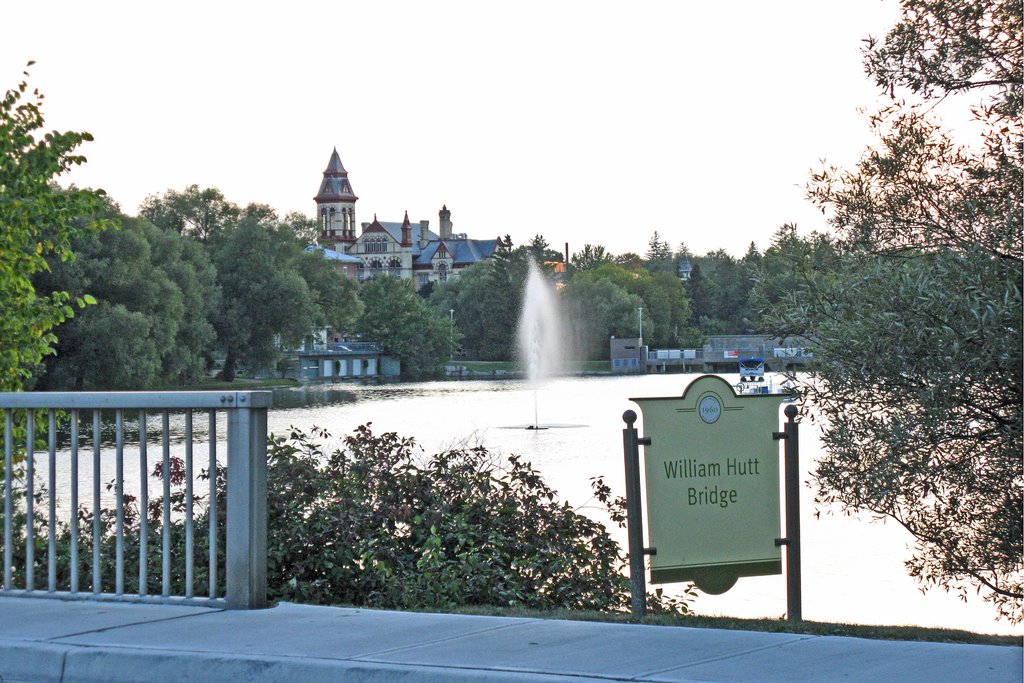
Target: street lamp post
[451,330]
[641,312]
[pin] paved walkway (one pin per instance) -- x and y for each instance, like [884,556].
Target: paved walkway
[49,640]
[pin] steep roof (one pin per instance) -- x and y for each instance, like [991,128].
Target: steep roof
[395,230]
[463,251]
[335,187]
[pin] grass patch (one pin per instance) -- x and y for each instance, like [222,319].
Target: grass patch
[572,367]
[589,366]
[243,384]
[912,633]
[487,365]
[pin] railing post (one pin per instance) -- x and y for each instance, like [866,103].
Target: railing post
[246,555]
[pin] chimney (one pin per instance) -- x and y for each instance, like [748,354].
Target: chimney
[424,227]
[446,222]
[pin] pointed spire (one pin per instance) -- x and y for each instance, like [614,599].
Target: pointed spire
[406,231]
[335,186]
[334,166]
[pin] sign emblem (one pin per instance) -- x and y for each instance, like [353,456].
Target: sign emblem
[710,409]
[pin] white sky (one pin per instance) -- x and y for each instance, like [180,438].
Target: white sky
[587,122]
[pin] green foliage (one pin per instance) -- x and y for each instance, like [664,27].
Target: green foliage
[378,523]
[487,298]
[629,261]
[541,252]
[266,300]
[408,328]
[589,257]
[188,266]
[336,297]
[917,332]
[381,525]
[719,288]
[666,306]
[659,257]
[306,229]
[155,290]
[597,308]
[37,221]
[194,212]
[788,262]
[954,46]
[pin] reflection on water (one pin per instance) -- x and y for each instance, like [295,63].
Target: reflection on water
[299,397]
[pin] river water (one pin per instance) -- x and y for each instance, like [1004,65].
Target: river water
[852,566]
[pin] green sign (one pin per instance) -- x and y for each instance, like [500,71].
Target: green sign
[712,474]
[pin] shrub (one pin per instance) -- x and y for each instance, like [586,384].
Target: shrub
[377,523]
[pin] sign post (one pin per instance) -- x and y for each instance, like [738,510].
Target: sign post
[794,597]
[712,477]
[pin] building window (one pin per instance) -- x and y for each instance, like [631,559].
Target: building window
[375,245]
[442,271]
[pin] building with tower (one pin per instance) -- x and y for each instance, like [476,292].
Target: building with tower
[408,249]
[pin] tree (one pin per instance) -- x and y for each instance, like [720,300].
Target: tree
[786,263]
[192,211]
[659,257]
[336,297]
[407,327]
[720,288]
[306,229]
[666,307]
[187,264]
[918,333]
[597,308]
[629,261]
[590,257]
[487,298]
[265,302]
[144,328]
[37,221]
[486,309]
[541,252]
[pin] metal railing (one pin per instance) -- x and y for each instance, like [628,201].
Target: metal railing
[245,559]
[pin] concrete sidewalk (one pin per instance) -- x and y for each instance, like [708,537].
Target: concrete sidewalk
[49,640]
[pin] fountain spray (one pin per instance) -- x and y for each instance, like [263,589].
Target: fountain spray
[539,336]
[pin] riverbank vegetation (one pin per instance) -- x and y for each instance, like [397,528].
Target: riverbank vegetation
[375,521]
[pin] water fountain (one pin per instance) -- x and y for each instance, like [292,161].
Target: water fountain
[539,338]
